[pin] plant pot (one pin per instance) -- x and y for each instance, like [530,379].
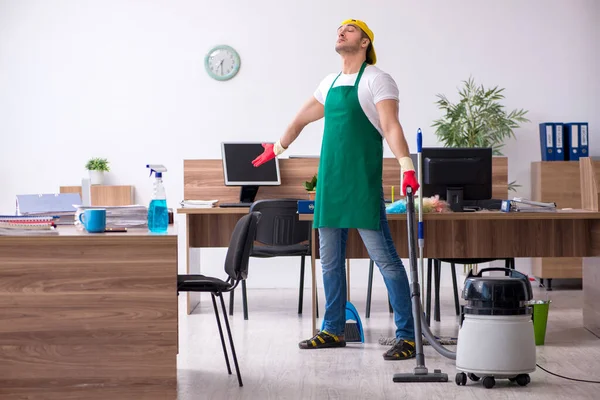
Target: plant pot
[96,177]
[312,194]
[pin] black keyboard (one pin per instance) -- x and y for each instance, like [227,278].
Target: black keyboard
[235,205]
[490,204]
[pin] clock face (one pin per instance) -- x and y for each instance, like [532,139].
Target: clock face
[222,63]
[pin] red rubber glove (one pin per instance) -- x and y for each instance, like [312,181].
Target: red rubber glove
[409,179]
[267,155]
[408,175]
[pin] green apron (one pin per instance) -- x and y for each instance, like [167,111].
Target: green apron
[351,163]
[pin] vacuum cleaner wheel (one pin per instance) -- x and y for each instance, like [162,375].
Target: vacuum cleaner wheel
[489,381]
[522,380]
[461,379]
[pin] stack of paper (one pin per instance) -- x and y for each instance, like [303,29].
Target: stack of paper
[199,203]
[133,216]
[12,225]
[59,205]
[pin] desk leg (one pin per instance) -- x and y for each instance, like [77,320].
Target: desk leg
[591,281]
[314,280]
[591,294]
[348,278]
[193,299]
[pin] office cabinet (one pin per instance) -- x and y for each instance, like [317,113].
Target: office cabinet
[556,181]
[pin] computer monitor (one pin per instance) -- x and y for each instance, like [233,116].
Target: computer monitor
[461,176]
[239,171]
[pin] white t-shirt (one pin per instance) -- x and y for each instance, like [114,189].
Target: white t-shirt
[374,86]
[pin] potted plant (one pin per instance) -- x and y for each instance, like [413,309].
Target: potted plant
[97,167]
[478,119]
[311,187]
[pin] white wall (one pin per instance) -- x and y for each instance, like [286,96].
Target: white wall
[125,80]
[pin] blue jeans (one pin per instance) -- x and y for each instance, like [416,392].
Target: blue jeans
[380,246]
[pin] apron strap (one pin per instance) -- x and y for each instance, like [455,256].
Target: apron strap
[336,78]
[362,69]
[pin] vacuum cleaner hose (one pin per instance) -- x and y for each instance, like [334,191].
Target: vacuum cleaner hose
[421,326]
[433,341]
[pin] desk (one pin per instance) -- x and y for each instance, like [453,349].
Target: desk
[573,233]
[485,234]
[203,179]
[207,227]
[81,311]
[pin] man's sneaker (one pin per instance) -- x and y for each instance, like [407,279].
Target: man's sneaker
[321,340]
[402,350]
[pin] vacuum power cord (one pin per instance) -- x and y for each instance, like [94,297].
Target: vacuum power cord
[566,377]
[533,279]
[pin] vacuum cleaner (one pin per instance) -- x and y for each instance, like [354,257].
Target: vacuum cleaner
[495,338]
[421,373]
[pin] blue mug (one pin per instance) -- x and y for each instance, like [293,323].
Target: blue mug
[94,220]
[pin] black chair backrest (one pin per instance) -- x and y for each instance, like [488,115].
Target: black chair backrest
[279,223]
[240,245]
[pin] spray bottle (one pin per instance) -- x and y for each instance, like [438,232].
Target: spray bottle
[158,214]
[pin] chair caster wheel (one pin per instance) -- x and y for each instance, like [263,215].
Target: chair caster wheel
[523,380]
[461,379]
[473,377]
[489,382]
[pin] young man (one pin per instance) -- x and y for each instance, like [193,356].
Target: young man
[360,107]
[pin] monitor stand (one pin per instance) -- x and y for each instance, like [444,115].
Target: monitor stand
[248,193]
[454,197]
[247,196]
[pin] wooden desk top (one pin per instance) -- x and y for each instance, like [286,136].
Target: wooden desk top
[492,215]
[70,231]
[450,216]
[214,210]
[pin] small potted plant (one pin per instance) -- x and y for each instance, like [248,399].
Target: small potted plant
[97,167]
[311,187]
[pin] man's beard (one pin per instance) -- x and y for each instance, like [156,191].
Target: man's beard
[347,48]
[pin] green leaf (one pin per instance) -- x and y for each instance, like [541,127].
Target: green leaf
[477,118]
[512,186]
[311,185]
[97,164]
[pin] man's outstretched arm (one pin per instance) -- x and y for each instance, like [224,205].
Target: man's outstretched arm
[394,135]
[310,111]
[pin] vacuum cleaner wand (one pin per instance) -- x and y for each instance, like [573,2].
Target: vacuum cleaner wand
[421,374]
[419,193]
[425,326]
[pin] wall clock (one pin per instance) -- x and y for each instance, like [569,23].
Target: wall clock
[222,62]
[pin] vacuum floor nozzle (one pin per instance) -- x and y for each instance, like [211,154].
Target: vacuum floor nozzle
[435,376]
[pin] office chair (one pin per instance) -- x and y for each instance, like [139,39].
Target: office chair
[236,267]
[436,265]
[279,234]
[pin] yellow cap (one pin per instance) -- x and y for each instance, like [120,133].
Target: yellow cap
[362,25]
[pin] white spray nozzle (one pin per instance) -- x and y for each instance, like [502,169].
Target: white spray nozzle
[158,169]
